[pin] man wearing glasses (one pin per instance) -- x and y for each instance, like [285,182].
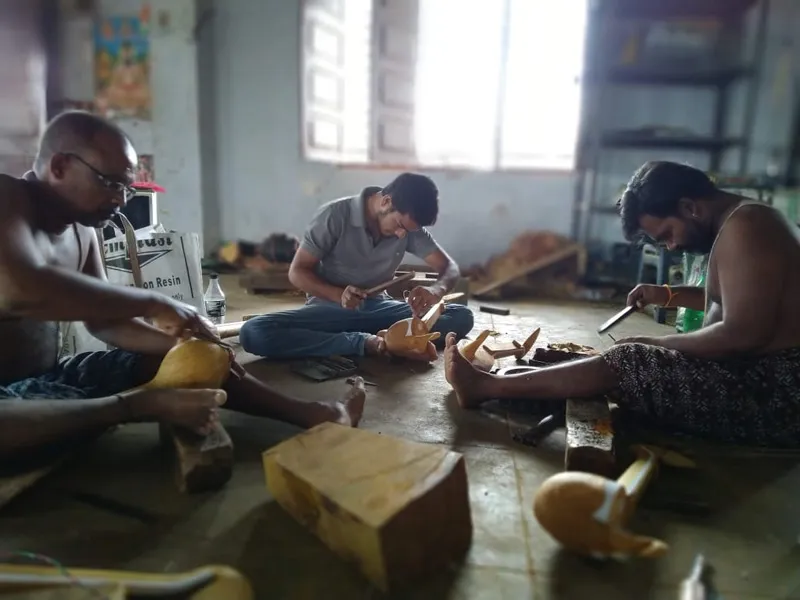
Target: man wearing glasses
[352,245]
[51,271]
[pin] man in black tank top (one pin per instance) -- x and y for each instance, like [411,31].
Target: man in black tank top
[51,271]
[737,379]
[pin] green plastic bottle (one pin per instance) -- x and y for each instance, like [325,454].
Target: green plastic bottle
[694,268]
[693,319]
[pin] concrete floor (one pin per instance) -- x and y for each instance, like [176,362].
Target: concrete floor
[750,536]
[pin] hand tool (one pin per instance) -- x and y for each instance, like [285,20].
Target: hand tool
[617,318]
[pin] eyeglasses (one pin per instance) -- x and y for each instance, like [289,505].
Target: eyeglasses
[117,188]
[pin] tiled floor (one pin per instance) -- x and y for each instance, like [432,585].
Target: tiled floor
[750,536]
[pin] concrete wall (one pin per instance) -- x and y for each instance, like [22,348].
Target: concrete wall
[265,186]
[243,176]
[173,135]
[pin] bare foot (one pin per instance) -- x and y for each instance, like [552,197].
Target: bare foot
[351,407]
[347,411]
[375,345]
[465,379]
[193,409]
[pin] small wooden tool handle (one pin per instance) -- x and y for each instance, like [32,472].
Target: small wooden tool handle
[387,284]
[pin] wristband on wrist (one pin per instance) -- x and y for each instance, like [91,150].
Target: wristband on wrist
[671,295]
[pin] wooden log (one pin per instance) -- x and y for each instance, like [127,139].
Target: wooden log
[398,509]
[229,330]
[532,267]
[202,463]
[590,438]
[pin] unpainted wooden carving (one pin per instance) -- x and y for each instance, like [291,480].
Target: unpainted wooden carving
[588,513]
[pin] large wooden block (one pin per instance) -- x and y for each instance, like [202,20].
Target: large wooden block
[398,509]
[590,437]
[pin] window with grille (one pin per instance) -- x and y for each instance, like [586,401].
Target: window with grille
[476,84]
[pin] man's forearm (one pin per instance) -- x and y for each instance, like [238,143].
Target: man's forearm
[688,296]
[447,280]
[312,284]
[712,343]
[133,335]
[55,294]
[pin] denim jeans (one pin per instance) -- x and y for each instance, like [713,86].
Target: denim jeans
[324,328]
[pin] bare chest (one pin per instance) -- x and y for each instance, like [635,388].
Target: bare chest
[66,250]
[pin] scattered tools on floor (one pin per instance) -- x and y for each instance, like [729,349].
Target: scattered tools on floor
[397,509]
[587,513]
[699,585]
[494,310]
[325,369]
[556,353]
[214,582]
[534,436]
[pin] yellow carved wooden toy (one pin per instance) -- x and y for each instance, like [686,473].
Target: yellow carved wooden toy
[475,353]
[514,349]
[587,513]
[409,337]
[193,363]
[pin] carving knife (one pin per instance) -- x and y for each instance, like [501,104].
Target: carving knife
[617,318]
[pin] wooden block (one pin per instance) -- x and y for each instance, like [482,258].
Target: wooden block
[203,463]
[590,438]
[398,509]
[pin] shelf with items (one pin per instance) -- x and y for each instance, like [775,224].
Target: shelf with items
[669,44]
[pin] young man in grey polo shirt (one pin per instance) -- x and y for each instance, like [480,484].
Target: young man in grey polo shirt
[352,245]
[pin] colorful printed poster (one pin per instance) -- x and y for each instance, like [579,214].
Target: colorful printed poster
[144,170]
[122,66]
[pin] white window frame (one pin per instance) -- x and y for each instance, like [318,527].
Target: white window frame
[391,111]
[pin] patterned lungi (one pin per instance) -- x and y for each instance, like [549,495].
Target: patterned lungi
[752,400]
[87,375]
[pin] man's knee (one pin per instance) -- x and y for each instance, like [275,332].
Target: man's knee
[256,333]
[460,319]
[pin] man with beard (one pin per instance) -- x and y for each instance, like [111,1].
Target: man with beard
[736,379]
[51,271]
[352,245]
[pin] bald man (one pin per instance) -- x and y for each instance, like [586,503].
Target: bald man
[51,271]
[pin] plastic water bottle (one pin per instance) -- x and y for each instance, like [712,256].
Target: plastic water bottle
[693,319]
[214,300]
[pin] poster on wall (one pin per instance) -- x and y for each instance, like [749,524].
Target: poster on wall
[144,170]
[122,66]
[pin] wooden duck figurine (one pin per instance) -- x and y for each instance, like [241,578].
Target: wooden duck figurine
[587,513]
[412,337]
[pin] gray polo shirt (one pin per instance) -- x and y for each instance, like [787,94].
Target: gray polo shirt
[338,237]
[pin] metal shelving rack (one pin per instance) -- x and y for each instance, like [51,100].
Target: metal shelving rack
[727,66]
